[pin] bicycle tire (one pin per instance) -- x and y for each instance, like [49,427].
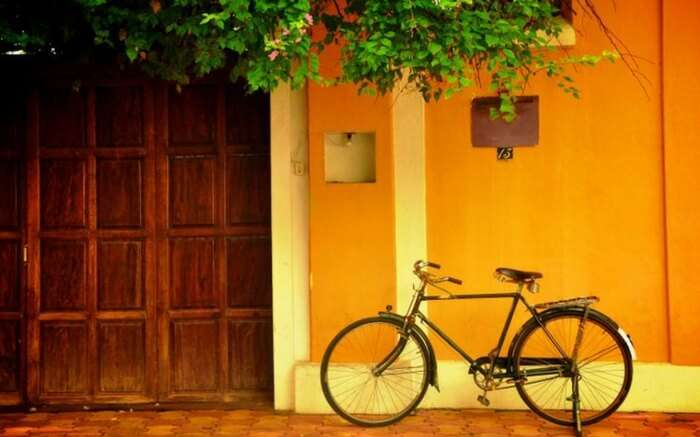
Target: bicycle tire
[605,366]
[346,370]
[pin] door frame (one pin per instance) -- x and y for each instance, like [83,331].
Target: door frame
[289,147]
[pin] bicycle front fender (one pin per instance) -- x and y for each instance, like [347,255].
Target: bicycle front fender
[427,346]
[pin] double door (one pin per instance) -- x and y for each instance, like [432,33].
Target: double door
[141,245]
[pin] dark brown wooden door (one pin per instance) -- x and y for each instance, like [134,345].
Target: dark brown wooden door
[148,233]
[91,229]
[12,139]
[214,252]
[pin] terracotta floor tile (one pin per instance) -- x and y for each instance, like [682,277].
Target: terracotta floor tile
[524,430]
[338,434]
[601,433]
[17,430]
[36,417]
[160,430]
[450,430]
[680,432]
[266,423]
[85,434]
[490,434]
[305,419]
[193,434]
[486,429]
[372,432]
[232,429]
[418,434]
[202,420]
[266,434]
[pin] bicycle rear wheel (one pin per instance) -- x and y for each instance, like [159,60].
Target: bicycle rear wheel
[603,363]
[351,376]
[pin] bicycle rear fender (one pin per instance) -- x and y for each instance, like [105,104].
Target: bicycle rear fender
[551,312]
[432,364]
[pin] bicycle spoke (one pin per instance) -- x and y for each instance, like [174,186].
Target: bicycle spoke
[351,385]
[601,372]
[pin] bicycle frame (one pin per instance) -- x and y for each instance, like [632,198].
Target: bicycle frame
[559,365]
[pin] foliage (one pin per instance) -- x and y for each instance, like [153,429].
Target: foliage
[438,47]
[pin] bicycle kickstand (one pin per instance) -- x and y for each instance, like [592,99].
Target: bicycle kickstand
[575,399]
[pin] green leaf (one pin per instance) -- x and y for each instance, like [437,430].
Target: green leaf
[491,40]
[131,53]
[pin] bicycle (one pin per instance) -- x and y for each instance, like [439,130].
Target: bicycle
[571,364]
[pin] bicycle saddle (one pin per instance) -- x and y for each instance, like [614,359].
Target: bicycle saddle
[518,275]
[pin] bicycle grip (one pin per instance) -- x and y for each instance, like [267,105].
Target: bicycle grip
[454,280]
[433,265]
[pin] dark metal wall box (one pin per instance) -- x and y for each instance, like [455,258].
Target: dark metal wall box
[523,131]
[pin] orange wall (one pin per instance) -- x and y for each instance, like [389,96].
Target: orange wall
[681,70]
[585,206]
[351,225]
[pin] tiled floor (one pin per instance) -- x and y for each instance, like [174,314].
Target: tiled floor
[267,423]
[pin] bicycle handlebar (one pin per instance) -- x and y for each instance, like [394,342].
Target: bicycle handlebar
[454,280]
[418,267]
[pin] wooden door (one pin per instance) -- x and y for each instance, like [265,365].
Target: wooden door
[148,235]
[12,139]
[214,253]
[91,229]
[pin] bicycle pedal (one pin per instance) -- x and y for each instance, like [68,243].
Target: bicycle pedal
[483,400]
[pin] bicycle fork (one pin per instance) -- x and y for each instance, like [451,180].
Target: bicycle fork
[391,356]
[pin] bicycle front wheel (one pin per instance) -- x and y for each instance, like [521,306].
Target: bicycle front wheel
[372,374]
[543,360]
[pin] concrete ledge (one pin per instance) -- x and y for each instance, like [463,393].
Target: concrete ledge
[656,387]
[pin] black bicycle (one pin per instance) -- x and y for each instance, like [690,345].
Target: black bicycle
[571,364]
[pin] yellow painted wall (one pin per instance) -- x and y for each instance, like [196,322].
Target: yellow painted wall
[351,225]
[681,87]
[585,206]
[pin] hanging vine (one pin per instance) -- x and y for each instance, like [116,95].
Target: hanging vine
[437,47]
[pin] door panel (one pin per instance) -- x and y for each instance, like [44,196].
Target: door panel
[120,275]
[9,356]
[91,187]
[192,190]
[249,272]
[9,275]
[215,253]
[62,117]
[194,346]
[120,113]
[64,352]
[64,193]
[120,193]
[192,116]
[247,120]
[192,273]
[63,275]
[9,200]
[248,182]
[250,348]
[122,356]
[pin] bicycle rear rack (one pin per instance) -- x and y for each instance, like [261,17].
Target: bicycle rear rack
[577,302]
